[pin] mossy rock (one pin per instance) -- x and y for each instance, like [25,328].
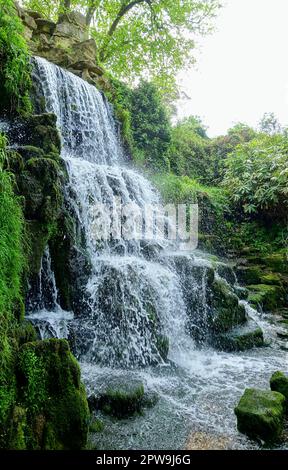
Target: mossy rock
[241,292]
[226,272]
[37,235]
[226,311]
[241,338]
[122,398]
[267,296]
[249,274]
[279,383]
[55,399]
[278,262]
[272,279]
[28,151]
[260,414]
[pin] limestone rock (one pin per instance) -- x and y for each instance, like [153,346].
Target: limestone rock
[84,50]
[87,65]
[260,414]
[45,26]
[34,14]
[73,25]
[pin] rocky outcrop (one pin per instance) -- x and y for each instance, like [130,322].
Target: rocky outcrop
[65,43]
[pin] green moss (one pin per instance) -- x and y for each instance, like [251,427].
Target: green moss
[15,80]
[57,409]
[226,310]
[96,426]
[279,383]
[277,261]
[260,414]
[241,339]
[269,297]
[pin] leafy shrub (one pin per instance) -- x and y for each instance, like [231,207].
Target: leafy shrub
[189,152]
[257,175]
[14,61]
[150,127]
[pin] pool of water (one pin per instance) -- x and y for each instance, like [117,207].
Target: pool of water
[197,391]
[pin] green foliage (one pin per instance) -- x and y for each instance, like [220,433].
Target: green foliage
[14,61]
[269,124]
[189,151]
[257,175]
[138,38]
[150,126]
[11,267]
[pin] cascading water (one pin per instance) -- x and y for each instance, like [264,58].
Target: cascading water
[137,293]
[132,301]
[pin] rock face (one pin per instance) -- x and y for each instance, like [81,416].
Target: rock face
[279,383]
[260,414]
[54,400]
[65,43]
[266,280]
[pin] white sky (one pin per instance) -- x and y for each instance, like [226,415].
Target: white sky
[242,69]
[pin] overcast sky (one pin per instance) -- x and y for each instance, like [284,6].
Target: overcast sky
[242,68]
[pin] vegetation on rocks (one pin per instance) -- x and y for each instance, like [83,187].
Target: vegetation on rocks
[260,414]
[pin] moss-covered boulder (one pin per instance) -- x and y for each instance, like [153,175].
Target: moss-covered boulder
[226,312]
[122,398]
[279,383]
[278,262]
[260,414]
[241,338]
[57,413]
[269,297]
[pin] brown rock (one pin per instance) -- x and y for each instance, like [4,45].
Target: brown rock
[45,26]
[34,14]
[86,64]
[73,17]
[84,50]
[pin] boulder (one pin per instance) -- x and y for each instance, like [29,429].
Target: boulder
[226,312]
[122,398]
[45,26]
[269,297]
[260,414]
[241,338]
[279,383]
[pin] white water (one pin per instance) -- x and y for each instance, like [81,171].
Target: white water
[198,389]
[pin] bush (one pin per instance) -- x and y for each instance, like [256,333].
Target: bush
[189,152]
[257,176]
[150,127]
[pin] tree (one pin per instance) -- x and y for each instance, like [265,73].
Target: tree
[188,152]
[270,125]
[150,126]
[151,38]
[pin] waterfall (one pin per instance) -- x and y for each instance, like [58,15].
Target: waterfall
[136,308]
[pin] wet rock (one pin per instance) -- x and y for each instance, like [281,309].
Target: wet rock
[122,398]
[241,338]
[269,297]
[279,383]
[260,414]
[226,312]
[226,272]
